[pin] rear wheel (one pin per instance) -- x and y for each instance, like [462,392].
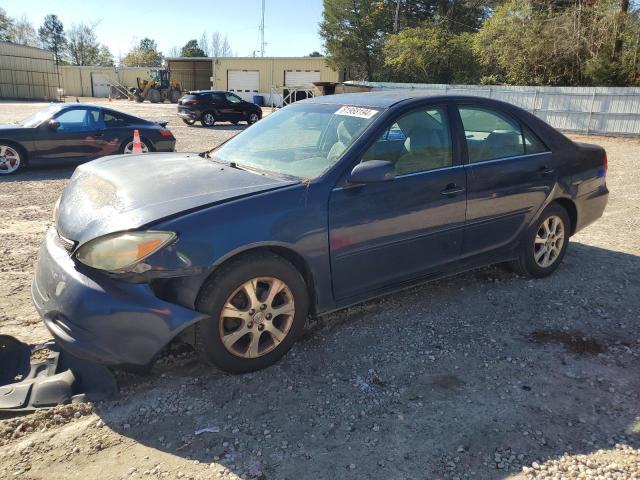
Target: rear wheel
[174,96]
[546,245]
[127,146]
[188,121]
[258,306]
[154,95]
[10,159]
[208,119]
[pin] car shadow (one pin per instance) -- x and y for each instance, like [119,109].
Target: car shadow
[471,376]
[37,173]
[224,127]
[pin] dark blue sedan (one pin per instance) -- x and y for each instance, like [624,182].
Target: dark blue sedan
[76,132]
[323,204]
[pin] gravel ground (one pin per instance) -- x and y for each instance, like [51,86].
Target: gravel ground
[485,375]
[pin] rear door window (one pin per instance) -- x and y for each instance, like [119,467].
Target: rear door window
[532,144]
[490,135]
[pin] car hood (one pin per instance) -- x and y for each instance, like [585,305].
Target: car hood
[10,126]
[125,192]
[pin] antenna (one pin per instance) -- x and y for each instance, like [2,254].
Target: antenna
[262,32]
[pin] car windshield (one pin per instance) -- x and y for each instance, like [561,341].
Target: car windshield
[301,140]
[37,118]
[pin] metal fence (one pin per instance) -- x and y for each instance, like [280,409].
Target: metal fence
[595,110]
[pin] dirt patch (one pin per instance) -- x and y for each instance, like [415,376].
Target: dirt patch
[575,342]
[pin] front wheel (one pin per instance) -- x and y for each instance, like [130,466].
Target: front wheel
[546,245]
[208,119]
[10,159]
[258,306]
[253,118]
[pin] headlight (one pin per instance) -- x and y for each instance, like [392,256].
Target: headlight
[56,207]
[120,252]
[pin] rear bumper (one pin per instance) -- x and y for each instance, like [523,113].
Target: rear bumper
[591,206]
[99,318]
[165,144]
[189,114]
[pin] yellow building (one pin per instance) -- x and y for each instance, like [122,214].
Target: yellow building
[27,72]
[269,77]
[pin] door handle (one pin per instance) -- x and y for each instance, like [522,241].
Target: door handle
[545,170]
[451,190]
[98,135]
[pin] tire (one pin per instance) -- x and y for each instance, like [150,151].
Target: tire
[188,122]
[541,255]
[154,95]
[174,96]
[12,158]
[138,98]
[252,118]
[208,119]
[228,284]
[127,146]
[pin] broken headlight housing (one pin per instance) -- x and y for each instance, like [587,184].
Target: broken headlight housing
[122,251]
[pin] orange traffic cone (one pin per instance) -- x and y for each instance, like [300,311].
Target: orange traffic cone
[137,146]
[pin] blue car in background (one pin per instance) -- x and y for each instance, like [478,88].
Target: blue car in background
[321,205]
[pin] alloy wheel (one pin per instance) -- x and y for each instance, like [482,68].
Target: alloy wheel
[256,317]
[549,241]
[208,119]
[9,160]
[129,147]
[253,118]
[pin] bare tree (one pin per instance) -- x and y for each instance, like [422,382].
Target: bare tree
[220,46]
[82,45]
[204,44]
[24,33]
[174,51]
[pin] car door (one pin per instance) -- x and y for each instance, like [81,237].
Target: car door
[78,136]
[384,234]
[235,107]
[510,173]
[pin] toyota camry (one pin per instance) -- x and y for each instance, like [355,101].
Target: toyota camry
[325,203]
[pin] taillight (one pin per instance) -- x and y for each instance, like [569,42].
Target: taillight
[605,162]
[166,133]
[190,102]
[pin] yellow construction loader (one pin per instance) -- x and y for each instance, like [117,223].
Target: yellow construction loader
[158,88]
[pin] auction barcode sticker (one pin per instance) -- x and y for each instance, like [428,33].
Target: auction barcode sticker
[356,111]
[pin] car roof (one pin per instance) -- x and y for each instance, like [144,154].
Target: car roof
[388,99]
[196,92]
[70,106]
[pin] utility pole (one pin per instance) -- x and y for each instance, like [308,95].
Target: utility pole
[262,32]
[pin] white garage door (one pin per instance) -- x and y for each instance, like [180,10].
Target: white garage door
[101,85]
[244,83]
[301,78]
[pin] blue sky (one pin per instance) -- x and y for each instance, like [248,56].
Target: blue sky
[291,27]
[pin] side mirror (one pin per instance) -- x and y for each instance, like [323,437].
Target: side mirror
[373,171]
[54,124]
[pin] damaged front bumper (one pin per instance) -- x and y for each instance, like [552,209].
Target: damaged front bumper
[100,318]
